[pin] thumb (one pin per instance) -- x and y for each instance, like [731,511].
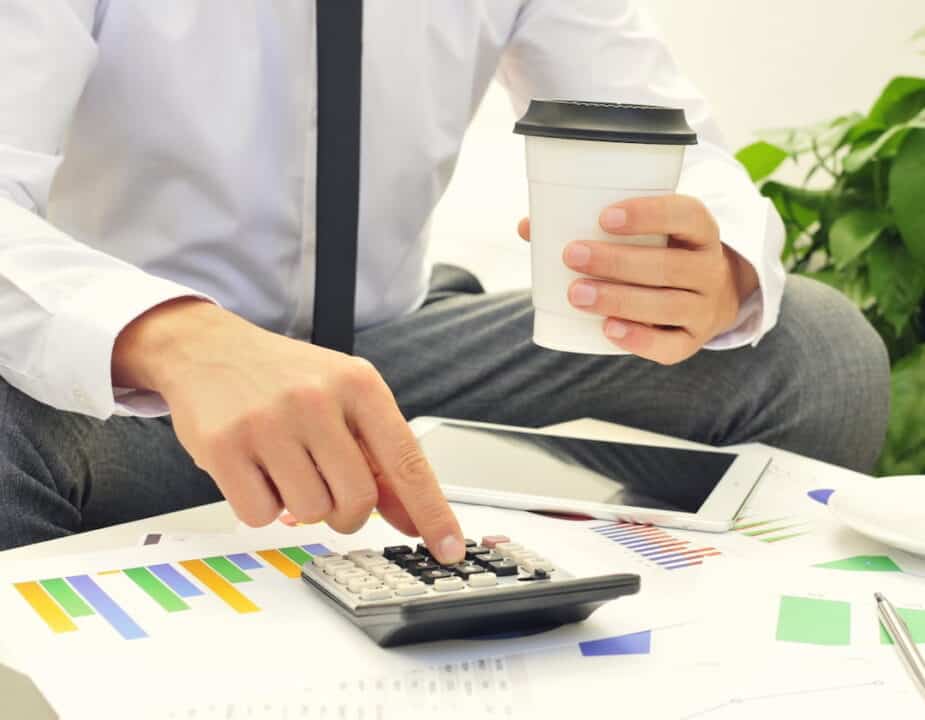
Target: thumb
[523,229]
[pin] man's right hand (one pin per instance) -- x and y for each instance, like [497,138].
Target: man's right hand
[281,423]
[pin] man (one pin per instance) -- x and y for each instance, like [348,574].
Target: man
[171,266]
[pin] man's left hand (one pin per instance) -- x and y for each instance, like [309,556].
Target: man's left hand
[663,304]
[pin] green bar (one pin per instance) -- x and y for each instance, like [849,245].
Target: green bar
[813,621]
[780,528]
[756,523]
[863,563]
[160,593]
[785,537]
[915,621]
[296,554]
[227,569]
[72,603]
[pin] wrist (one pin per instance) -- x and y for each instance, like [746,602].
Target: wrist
[150,350]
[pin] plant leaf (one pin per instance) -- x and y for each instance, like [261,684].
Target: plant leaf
[854,286]
[907,193]
[824,136]
[761,159]
[897,281]
[858,158]
[853,233]
[904,453]
[893,94]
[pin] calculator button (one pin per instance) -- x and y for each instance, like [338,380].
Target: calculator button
[422,567]
[507,548]
[503,568]
[448,584]
[490,541]
[394,551]
[411,589]
[469,542]
[476,550]
[521,557]
[488,558]
[357,554]
[332,567]
[364,583]
[380,571]
[395,579]
[537,563]
[346,575]
[408,559]
[380,593]
[466,570]
[322,561]
[485,579]
[421,549]
[430,576]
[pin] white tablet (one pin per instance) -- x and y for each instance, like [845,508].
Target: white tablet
[526,469]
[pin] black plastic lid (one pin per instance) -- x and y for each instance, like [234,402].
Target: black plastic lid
[610,122]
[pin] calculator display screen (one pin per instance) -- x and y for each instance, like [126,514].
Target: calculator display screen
[595,471]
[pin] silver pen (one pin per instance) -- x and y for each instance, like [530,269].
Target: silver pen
[898,630]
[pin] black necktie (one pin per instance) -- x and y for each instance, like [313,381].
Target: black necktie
[340,54]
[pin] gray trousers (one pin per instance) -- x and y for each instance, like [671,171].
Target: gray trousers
[818,384]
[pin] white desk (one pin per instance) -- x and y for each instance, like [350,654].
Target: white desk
[218,517]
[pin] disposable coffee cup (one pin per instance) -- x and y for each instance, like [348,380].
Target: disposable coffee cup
[581,158]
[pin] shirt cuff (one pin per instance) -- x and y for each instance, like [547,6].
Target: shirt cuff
[79,362]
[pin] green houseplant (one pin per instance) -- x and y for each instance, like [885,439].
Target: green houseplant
[857,223]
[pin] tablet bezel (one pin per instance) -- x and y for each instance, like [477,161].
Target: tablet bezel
[717,514]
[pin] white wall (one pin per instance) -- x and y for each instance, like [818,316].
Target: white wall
[761,63]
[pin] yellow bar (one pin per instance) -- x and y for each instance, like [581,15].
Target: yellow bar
[46,608]
[217,584]
[109,572]
[281,563]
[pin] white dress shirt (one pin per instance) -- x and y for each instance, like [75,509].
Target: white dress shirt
[153,150]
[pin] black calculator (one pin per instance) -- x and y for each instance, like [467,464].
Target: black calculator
[402,595]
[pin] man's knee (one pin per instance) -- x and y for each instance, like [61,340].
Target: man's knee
[834,376]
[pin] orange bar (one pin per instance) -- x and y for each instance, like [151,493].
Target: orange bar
[281,563]
[217,584]
[45,607]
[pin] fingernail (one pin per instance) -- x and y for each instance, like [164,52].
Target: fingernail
[613,218]
[616,329]
[583,294]
[451,549]
[577,255]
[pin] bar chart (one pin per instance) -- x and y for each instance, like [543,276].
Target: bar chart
[773,529]
[656,545]
[173,587]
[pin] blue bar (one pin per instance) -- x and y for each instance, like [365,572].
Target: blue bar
[623,532]
[179,584]
[244,561]
[636,644]
[679,565]
[106,607]
[666,553]
[317,549]
[647,543]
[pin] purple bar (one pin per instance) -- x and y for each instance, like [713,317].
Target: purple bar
[649,542]
[821,496]
[179,584]
[244,561]
[317,549]
[106,607]
[624,532]
[679,565]
[667,552]
[636,644]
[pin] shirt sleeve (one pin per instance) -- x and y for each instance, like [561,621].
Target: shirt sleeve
[62,303]
[611,51]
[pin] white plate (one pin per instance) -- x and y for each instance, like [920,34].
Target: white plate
[891,510]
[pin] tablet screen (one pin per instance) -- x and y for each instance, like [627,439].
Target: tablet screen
[595,471]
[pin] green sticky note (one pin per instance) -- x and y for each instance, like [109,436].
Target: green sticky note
[863,563]
[915,621]
[814,621]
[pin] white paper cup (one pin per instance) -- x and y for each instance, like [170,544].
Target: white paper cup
[581,158]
